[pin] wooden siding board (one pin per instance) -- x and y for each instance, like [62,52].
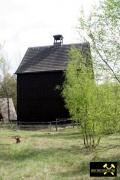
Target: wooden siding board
[39,100]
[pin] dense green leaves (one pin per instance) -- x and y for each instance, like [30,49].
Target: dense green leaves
[95,106]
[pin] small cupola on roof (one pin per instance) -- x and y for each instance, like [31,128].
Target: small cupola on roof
[58,39]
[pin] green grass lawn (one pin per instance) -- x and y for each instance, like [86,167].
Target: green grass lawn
[52,155]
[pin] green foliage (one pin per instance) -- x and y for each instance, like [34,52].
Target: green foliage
[95,106]
[101,29]
[112,10]
[8,84]
[78,92]
[109,100]
[76,84]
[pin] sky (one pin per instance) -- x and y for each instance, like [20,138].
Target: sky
[28,23]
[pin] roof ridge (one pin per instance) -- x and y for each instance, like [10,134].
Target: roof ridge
[47,46]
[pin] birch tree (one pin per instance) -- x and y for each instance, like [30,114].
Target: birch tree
[102,29]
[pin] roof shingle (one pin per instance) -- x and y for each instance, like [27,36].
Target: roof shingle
[47,58]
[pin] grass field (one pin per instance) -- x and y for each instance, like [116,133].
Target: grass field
[52,155]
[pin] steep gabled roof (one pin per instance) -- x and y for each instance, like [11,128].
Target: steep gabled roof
[47,58]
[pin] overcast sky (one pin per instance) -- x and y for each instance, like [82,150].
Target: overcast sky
[26,23]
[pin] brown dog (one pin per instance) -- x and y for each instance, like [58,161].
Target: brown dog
[17,138]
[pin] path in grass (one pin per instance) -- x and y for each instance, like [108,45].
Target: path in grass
[52,155]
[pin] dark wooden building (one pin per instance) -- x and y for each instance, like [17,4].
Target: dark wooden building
[40,71]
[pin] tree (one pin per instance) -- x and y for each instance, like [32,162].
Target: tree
[78,90]
[101,29]
[95,107]
[7,83]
